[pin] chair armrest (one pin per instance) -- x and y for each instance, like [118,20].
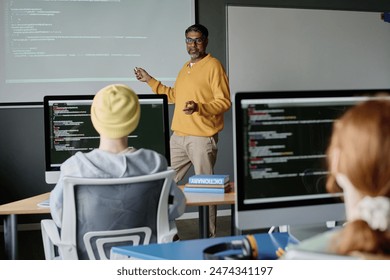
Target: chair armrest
[168,236]
[51,239]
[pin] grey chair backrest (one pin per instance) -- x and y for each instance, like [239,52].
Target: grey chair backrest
[115,207]
[103,204]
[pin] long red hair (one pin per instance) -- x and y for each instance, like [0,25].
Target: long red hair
[362,135]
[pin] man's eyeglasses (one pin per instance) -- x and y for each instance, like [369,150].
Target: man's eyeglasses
[194,40]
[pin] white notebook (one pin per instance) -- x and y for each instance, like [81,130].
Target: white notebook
[44,203]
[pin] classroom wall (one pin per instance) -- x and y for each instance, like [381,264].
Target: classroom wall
[21,128]
[285,49]
[213,15]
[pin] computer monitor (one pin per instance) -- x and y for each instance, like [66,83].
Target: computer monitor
[280,139]
[68,129]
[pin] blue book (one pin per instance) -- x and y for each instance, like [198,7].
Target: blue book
[204,179]
[207,190]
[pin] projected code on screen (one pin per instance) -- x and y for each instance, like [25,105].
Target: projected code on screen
[75,47]
[58,36]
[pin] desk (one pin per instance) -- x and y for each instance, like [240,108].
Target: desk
[20,207]
[203,200]
[268,244]
[29,206]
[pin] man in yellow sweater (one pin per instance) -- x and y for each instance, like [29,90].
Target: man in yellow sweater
[201,96]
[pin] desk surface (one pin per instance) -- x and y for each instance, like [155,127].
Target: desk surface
[268,244]
[30,205]
[26,206]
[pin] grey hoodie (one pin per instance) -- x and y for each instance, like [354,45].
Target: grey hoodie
[101,164]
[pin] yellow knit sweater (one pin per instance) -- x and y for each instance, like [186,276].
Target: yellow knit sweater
[207,84]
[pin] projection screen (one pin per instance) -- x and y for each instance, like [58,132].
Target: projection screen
[51,47]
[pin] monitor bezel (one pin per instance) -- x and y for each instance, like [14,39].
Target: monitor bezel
[46,108]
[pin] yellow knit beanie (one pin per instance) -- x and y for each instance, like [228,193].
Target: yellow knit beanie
[115,111]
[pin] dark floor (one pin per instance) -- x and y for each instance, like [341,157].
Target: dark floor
[29,243]
[189,228]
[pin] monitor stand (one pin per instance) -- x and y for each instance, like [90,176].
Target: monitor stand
[302,232]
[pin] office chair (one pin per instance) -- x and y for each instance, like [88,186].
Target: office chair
[99,213]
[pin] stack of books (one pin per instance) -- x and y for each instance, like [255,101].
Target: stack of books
[208,183]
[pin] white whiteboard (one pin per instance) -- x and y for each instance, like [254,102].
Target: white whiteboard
[273,49]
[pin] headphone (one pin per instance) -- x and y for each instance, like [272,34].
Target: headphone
[247,246]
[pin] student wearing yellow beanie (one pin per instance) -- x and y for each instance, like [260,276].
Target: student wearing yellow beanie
[115,113]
